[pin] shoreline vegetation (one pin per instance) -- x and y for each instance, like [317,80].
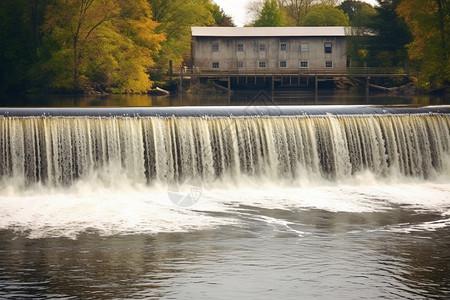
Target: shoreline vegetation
[120,47]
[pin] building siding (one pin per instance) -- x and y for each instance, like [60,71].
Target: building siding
[228,55]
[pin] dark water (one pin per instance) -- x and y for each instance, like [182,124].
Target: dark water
[252,97]
[110,236]
[283,253]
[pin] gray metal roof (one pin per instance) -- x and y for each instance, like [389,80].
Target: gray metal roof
[270,31]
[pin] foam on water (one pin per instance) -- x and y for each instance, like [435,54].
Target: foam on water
[64,176]
[91,205]
[121,206]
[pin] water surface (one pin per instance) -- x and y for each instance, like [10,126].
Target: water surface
[330,207]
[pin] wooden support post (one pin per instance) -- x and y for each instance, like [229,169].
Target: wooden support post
[273,83]
[229,89]
[316,90]
[367,86]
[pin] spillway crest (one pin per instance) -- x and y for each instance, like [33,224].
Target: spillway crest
[59,150]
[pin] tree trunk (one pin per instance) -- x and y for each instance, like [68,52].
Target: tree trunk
[442,29]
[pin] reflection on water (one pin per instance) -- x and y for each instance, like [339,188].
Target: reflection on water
[248,97]
[339,255]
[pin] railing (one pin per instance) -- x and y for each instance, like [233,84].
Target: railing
[353,71]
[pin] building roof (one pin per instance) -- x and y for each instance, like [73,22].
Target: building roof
[269,31]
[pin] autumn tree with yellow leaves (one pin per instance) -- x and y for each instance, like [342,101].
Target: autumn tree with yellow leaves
[429,23]
[107,44]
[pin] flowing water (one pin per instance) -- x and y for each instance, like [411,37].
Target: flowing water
[323,206]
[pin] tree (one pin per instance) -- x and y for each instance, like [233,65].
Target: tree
[391,35]
[100,42]
[325,15]
[359,12]
[254,8]
[220,17]
[176,18]
[271,15]
[429,22]
[20,38]
[360,16]
[295,10]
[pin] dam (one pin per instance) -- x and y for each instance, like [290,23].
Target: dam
[58,146]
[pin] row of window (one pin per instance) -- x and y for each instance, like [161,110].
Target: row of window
[328,47]
[262,64]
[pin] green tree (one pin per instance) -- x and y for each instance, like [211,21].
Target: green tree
[359,12]
[429,22]
[20,39]
[390,36]
[271,15]
[360,15]
[220,17]
[295,10]
[325,15]
[176,18]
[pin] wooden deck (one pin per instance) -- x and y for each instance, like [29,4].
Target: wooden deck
[293,77]
[348,72]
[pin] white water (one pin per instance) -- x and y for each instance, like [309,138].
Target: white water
[58,151]
[63,176]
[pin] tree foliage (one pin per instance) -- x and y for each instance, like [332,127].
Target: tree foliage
[429,22]
[101,42]
[360,13]
[391,35]
[295,10]
[176,18]
[220,17]
[111,45]
[325,15]
[68,45]
[271,15]
[20,39]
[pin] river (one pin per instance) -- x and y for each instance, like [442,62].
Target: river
[253,207]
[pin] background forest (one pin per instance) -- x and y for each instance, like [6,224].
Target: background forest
[119,46]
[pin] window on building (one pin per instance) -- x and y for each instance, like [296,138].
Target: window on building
[240,64]
[262,47]
[282,64]
[215,65]
[215,47]
[283,47]
[328,64]
[240,47]
[304,64]
[262,64]
[304,47]
[327,47]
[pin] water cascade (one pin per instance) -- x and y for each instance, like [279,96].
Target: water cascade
[60,147]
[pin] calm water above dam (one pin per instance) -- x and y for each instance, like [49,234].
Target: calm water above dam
[240,98]
[252,207]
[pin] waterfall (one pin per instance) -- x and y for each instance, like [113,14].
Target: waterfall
[60,150]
